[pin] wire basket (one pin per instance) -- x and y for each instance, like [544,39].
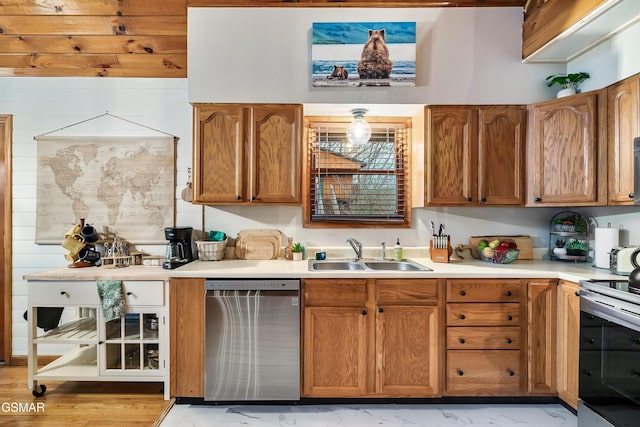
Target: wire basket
[500,257]
[211,251]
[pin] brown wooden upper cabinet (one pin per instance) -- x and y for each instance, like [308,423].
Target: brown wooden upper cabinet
[475,155]
[623,124]
[567,151]
[247,154]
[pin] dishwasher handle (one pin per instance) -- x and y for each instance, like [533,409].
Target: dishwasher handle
[252,285]
[235,293]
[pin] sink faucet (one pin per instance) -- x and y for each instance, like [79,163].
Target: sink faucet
[357,247]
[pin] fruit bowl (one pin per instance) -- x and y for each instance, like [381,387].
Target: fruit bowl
[499,256]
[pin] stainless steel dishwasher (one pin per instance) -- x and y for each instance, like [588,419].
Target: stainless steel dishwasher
[252,347]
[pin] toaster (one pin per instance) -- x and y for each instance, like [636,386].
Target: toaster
[620,260]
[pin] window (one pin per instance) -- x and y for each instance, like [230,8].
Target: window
[357,184]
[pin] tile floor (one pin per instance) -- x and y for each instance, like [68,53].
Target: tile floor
[366,415]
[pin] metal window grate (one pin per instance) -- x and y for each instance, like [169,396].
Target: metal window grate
[358,182]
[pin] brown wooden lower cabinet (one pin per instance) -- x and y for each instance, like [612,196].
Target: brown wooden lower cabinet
[483,372]
[372,338]
[568,341]
[541,348]
[187,337]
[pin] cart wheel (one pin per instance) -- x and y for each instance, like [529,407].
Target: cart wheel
[39,390]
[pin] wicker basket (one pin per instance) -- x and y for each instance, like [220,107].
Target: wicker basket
[211,251]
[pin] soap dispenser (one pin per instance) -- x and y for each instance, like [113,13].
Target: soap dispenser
[397,251]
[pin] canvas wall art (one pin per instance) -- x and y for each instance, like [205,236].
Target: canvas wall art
[363,54]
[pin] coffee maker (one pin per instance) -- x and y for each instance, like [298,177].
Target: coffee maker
[179,250]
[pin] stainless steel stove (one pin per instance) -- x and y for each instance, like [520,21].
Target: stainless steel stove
[609,378]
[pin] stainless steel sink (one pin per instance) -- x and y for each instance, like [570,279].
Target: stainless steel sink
[366,264]
[404,265]
[335,265]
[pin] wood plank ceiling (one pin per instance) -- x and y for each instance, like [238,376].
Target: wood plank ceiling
[129,38]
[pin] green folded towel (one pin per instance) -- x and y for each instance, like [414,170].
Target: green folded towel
[217,236]
[111,299]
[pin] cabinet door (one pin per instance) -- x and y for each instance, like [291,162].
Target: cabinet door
[568,342]
[132,344]
[623,124]
[564,153]
[275,154]
[501,146]
[187,337]
[408,351]
[451,156]
[335,357]
[541,355]
[218,158]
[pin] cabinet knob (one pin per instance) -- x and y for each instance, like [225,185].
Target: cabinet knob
[591,340]
[100,342]
[508,341]
[587,372]
[636,340]
[469,199]
[460,372]
[510,372]
[63,293]
[129,293]
[508,293]
[463,293]
[253,198]
[483,200]
[461,340]
[631,195]
[380,310]
[577,293]
[238,198]
[537,199]
[509,317]
[462,316]
[363,312]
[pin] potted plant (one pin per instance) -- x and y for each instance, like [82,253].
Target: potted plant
[568,83]
[297,249]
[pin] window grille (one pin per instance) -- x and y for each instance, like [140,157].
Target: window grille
[358,183]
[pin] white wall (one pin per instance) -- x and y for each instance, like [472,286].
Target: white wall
[464,56]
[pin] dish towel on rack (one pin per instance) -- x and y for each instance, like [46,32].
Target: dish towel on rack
[111,299]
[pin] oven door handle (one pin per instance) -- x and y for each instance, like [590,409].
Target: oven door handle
[616,311]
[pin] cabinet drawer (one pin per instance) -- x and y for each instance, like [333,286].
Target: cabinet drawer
[335,292]
[140,292]
[407,291]
[500,337]
[483,314]
[63,294]
[483,372]
[484,291]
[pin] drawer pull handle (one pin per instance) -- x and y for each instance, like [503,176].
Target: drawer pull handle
[463,293]
[636,340]
[587,372]
[129,293]
[462,316]
[461,340]
[63,293]
[510,372]
[591,340]
[508,293]
[363,312]
[461,373]
[509,317]
[508,340]
[380,310]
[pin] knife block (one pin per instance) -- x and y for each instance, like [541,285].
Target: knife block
[439,254]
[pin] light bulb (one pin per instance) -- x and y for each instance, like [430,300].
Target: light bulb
[358,131]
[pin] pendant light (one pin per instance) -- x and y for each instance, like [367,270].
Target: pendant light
[358,131]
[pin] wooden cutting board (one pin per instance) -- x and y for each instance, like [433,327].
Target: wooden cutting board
[523,242]
[258,244]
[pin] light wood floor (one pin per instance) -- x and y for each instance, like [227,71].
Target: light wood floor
[75,404]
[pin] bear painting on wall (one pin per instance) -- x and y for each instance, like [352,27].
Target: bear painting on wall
[363,54]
